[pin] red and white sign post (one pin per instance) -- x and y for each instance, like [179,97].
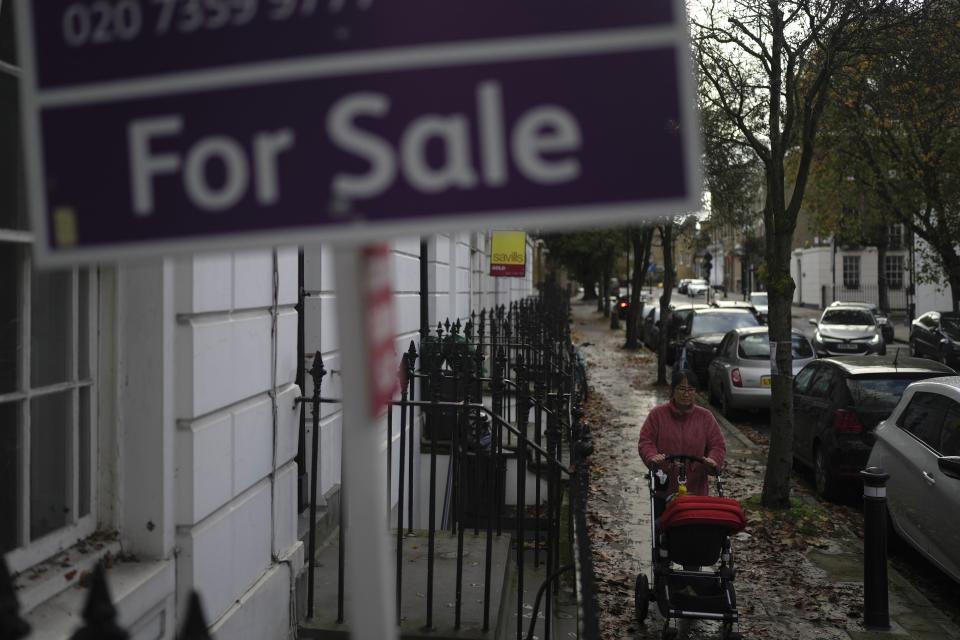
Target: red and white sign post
[369,375]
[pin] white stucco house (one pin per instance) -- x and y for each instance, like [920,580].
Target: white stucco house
[150,418]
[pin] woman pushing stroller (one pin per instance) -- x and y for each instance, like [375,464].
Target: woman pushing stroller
[684,442]
[680,427]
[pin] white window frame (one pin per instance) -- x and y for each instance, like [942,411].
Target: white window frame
[32,552]
[853,260]
[894,274]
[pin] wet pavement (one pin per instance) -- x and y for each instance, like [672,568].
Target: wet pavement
[799,571]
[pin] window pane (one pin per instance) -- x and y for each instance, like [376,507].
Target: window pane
[950,437]
[10,447]
[50,421]
[10,305]
[8,48]
[924,417]
[84,444]
[12,204]
[50,327]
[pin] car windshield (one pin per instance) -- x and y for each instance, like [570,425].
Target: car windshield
[756,346]
[759,298]
[720,322]
[847,316]
[951,326]
[881,393]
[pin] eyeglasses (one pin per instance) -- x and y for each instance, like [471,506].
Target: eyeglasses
[685,389]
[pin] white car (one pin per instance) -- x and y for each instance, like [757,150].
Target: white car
[919,446]
[697,287]
[759,301]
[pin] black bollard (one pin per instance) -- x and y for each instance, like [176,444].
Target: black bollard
[876,614]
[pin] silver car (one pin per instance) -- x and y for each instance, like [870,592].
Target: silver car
[847,330]
[919,446]
[739,376]
[759,301]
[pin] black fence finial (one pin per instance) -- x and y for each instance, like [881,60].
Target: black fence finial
[12,626]
[195,625]
[99,614]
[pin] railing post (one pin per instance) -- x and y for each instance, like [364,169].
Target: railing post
[317,372]
[12,626]
[876,614]
[195,625]
[523,411]
[99,614]
[404,372]
[411,361]
[496,391]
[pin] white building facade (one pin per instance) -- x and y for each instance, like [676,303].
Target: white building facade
[167,444]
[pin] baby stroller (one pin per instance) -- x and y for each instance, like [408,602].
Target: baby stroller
[694,532]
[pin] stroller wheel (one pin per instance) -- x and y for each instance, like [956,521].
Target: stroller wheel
[728,633]
[641,597]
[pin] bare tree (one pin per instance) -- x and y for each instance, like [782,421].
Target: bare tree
[766,66]
[641,240]
[666,238]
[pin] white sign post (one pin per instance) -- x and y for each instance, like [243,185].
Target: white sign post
[369,580]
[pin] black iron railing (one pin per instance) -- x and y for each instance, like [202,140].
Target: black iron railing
[506,385]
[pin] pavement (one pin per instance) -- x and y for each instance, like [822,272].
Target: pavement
[770,606]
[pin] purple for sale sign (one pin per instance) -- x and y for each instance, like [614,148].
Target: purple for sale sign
[151,128]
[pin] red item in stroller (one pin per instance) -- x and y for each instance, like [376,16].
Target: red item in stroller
[694,532]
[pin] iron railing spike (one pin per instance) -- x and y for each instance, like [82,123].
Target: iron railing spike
[12,626]
[99,614]
[195,625]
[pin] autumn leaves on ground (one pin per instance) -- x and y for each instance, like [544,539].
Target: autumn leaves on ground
[778,589]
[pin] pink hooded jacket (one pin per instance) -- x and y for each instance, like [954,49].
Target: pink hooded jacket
[695,432]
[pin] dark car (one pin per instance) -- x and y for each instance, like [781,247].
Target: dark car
[936,335]
[886,328]
[679,314]
[837,403]
[698,339]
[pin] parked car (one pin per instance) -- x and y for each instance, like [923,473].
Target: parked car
[759,301]
[699,337]
[697,287]
[679,314]
[739,376]
[936,334]
[847,330]
[682,285]
[837,403]
[919,446]
[736,304]
[886,329]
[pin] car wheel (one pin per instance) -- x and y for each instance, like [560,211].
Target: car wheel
[822,476]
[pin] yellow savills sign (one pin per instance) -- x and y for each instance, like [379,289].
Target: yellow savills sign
[508,254]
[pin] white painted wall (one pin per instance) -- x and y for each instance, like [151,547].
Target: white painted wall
[204,423]
[810,270]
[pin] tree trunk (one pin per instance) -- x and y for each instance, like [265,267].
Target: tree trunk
[589,291]
[607,274]
[666,237]
[641,240]
[780,288]
[883,297]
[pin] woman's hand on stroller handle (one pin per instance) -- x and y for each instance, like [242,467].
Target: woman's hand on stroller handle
[681,458]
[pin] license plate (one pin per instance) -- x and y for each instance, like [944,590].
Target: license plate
[765,381]
[846,347]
